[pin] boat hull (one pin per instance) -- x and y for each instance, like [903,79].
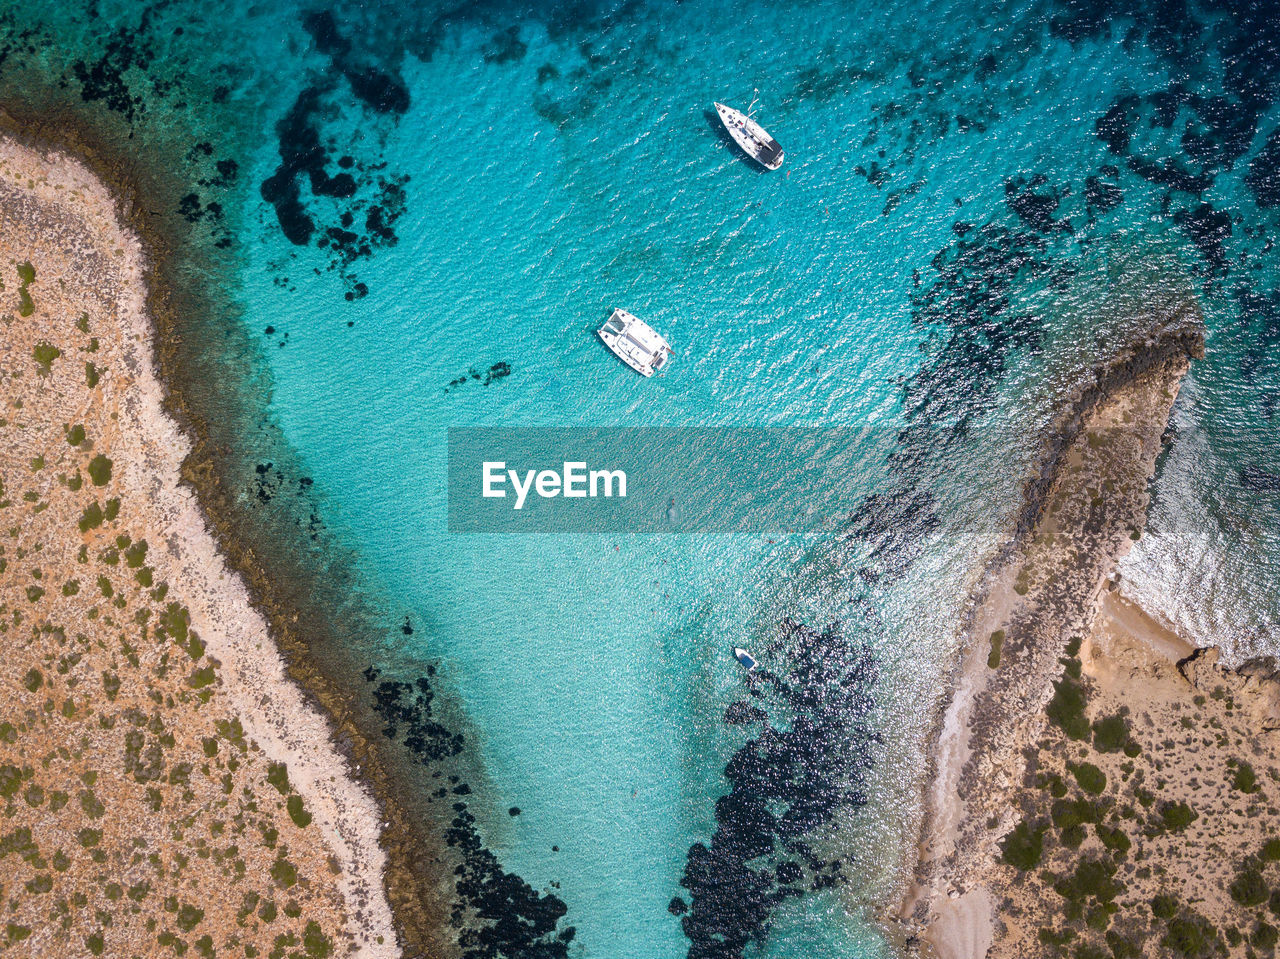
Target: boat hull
[751,137]
[635,342]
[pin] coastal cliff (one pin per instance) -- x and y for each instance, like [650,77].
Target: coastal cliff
[1026,742]
[166,787]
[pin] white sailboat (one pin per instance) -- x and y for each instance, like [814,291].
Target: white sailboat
[751,136]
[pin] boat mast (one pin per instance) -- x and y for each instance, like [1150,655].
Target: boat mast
[754,97]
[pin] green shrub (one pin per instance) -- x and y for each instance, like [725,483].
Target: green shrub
[1071,812]
[1051,938]
[10,781]
[45,353]
[1097,919]
[1092,878]
[1245,780]
[1073,836]
[189,917]
[1177,816]
[1113,839]
[136,555]
[91,518]
[997,644]
[1164,906]
[1110,734]
[1265,936]
[100,470]
[284,872]
[1091,779]
[1191,935]
[298,813]
[1066,708]
[315,943]
[1271,850]
[75,435]
[1122,948]
[278,776]
[1249,888]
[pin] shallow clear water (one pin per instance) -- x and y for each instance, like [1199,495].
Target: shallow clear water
[532,169]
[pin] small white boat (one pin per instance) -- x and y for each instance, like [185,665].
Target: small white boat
[745,658]
[751,136]
[635,342]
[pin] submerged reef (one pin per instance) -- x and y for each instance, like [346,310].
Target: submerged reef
[791,785]
[494,912]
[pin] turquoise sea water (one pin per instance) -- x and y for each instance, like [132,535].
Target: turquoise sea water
[968,216]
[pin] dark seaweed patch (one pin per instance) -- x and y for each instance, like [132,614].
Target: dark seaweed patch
[305,158]
[1115,127]
[498,371]
[1263,178]
[1239,55]
[1261,480]
[1101,195]
[1209,230]
[505,46]
[970,301]
[1168,173]
[299,151]
[103,80]
[346,186]
[1260,320]
[1034,209]
[495,912]
[804,770]
[973,332]
[379,90]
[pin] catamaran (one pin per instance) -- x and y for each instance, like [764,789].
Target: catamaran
[751,136]
[635,342]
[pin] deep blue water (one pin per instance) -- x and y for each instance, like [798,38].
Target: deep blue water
[975,205]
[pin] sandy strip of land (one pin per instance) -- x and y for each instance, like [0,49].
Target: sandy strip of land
[1081,511]
[58,199]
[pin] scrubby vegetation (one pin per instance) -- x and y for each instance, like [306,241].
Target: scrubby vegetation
[136,817]
[1087,840]
[1024,846]
[997,644]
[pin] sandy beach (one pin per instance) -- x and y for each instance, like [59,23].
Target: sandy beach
[129,636]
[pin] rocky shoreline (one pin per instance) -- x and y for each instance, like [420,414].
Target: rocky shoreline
[79,366]
[1081,508]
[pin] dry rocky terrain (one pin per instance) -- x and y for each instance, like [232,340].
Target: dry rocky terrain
[163,789]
